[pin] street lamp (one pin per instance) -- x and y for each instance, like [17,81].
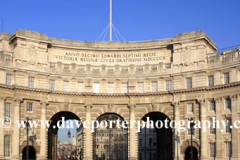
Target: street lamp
[27,125]
[191,126]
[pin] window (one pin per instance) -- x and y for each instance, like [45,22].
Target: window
[150,141]
[228,149]
[140,142]
[213,128]
[140,68]
[7,111]
[66,66]
[124,88]
[189,83]
[96,88]
[124,68]
[168,85]
[154,67]
[228,126]
[140,156]
[110,88]
[212,105]
[95,68]
[66,86]
[228,103]
[210,81]
[190,108]
[226,78]
[52,85]
[140,87]
[110,69]
[6,146]
[154,156]
[212,150]
[79,87]
[29,107]
[154,86]
[8,79]
[31,82]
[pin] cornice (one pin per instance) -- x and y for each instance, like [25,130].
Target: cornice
[26,89]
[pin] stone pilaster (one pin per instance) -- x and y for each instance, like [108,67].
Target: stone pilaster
[176,132]
[88,134]
[2,100]
[204,140]
[16,133]
[43,148]
[133,143]
[235,136]
[219,140]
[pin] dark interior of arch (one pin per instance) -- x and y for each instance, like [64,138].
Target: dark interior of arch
[31,153]
[52,132]
[188,153]
[165,146]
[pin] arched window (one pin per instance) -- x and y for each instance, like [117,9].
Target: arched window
[6,146]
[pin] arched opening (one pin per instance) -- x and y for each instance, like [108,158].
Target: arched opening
[111,142]
[155,143]
[31,153]
[188,153]
[56,121]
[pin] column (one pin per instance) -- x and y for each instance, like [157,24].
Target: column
[235,139]
[219,141]
[88,134]
[16,131]
[43,132]
[1,129]
[176,132]
[132,134]
[204,140]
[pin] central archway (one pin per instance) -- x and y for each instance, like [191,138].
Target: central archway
[155,143]
[53,130]
[31,153]
[111,142]
[188,153]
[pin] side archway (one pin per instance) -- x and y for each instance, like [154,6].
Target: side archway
[155,142]
[53,130]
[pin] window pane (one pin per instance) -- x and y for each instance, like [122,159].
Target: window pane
[7,110]
[140,87]
[7,146]
[226,78]
[228,103]
[124,88]
[110,88]
[29,107]
[210,81]
[66,86]
[212,105]
[168,85]
[212,149]
[228,149]
[190,107]
[96,88]
[52,85]
[189,83]
[8,79]
[228,127]
[31,82]
[154,86]
[212,128]
[79,87]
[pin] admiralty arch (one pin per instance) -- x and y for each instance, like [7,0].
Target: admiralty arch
[178,78]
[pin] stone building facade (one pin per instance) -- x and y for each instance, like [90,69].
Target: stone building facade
[178,78]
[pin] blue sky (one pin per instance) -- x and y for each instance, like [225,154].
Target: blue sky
[135,20]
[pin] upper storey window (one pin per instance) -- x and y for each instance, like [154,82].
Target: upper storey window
[8,79]
[95,68]
[189,83]
[124,68]
[52,85]
[168,85]
[7,110]
[228,103]
[79,87]
[110,69]
[211,81]
[190,108]
[29,107]
[66,86]
[96,88]
[140,87]
[31,82]
[226,78]
[110,88]
[154,86]
[124,88]
[154,67]
[140,68]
